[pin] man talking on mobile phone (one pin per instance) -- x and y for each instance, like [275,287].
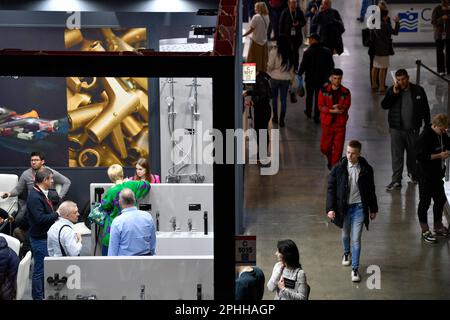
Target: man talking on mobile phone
[408,110]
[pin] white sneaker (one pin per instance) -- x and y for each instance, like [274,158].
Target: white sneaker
[355,276]
[346,261]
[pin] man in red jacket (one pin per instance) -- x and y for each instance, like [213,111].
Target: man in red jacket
[334,102]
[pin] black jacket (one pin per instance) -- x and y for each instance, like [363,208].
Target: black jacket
[261,92]
[382,38]
[428,144]
[338,191]
[317,64]
[40,214]
[250,285]
[3,214]
[286,22]
[9,263]
[329,25]
[393,103]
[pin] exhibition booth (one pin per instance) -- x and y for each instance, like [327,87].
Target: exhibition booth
[122,86]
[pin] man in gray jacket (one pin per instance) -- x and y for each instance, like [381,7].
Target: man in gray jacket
[26,182]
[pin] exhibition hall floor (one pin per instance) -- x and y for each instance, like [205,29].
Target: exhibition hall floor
[291,204]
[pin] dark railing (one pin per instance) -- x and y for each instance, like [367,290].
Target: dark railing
[418,73]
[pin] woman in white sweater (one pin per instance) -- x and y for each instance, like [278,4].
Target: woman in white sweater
[281,69]
[259,25]
[288,279]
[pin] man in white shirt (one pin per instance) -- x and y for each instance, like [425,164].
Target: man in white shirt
[62,240]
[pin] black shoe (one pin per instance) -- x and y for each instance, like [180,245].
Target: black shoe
[329,166]
[360,19]
[346,261]
[355,276]
[293,97]
[393,185]
[317,120]
[275,119]
[282,115]
[428,237]
[307,114]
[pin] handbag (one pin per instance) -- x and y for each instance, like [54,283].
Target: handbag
[366,38]
[97,215]
[391,48]
[299,85]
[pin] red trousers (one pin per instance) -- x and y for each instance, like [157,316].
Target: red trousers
[332,143]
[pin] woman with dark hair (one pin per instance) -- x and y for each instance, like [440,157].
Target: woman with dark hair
[281,69]
[288,278]
[143,172]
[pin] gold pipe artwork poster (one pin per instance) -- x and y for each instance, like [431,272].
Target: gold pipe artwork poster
[107,117]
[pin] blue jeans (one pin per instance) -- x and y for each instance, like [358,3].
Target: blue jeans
[39,250]
[353,223]
[283,87]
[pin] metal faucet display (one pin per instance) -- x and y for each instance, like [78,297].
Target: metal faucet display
[190,154]
[205,221]
[55,280]
[157,220]
[142,293]
[173,221]
[90,297]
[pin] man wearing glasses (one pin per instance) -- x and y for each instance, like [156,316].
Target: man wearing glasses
[26,182]
[23,188]
[432,150]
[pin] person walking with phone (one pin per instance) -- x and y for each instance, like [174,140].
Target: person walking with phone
[441,24]
[432,149]
[408,110]
[351,202]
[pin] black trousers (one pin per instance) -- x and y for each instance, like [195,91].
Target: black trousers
[431,189]
[262,117]
[312,96]
[443,59]
[296,43]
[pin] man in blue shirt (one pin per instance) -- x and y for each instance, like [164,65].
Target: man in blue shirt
[133,232]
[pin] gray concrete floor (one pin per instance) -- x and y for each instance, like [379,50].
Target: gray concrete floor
[291,204]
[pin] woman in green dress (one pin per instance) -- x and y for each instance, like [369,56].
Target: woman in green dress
[110,202]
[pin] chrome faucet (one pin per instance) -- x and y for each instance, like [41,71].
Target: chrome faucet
[190,224]
[173,221]
[88,297]
[157,220]
[142,293]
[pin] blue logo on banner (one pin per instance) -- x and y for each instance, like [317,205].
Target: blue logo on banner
[409,21]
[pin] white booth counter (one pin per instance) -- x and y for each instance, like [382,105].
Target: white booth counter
[183,216]
[129,278]
[184,243]
[187,203]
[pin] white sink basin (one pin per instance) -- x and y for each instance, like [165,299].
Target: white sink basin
[184,243]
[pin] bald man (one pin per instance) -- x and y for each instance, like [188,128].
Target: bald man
[62,240]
